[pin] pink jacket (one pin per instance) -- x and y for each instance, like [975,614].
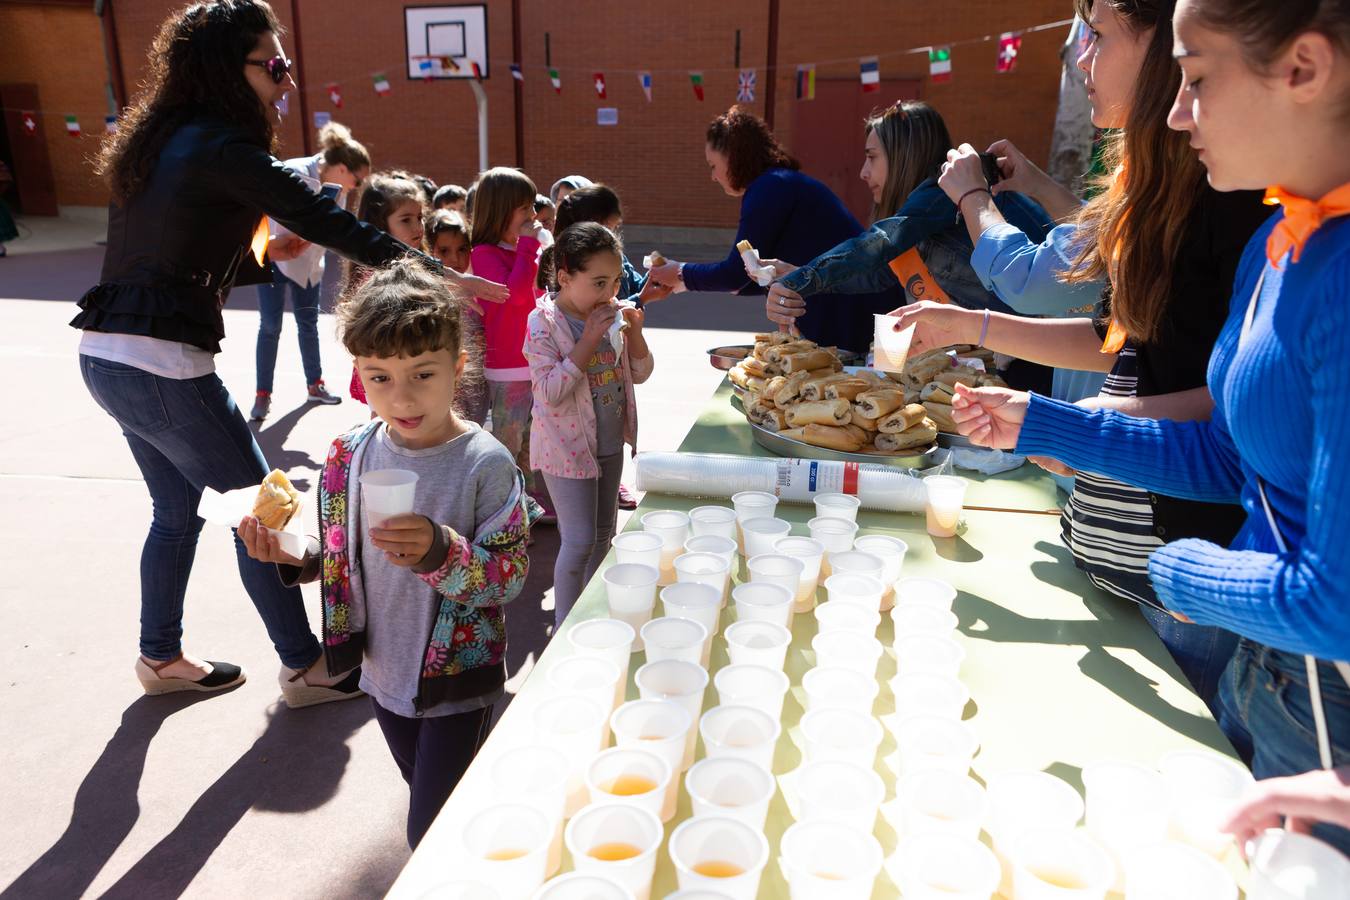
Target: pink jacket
[562,436]
[504,323]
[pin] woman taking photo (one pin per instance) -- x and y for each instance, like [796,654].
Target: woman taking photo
[784,215]
[192,177]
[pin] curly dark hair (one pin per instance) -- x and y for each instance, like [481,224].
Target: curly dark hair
[749,145]
[196,66]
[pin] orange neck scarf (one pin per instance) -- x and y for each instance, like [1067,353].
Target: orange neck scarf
[1301,218]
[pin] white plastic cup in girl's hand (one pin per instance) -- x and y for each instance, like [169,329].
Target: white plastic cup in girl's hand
[640,547]
[946,867]
[762,601]
[713,520]
[762,533]
[631,590]
[386,493]
[657,726]
[507,846]
[673,638]
[720,854]
[837,688]
[824,860]
[732,787]
[939,802]
[754,643]
[811,552]
[845,735]
[837,506]
[740,731]
[617,841]
[847,650]
[749,685]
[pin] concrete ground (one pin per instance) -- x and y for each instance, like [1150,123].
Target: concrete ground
[114,794]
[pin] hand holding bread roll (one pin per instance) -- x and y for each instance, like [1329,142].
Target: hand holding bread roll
[941,414]
[278,501]
[936,393]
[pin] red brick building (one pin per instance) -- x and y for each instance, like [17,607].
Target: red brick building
[653,156]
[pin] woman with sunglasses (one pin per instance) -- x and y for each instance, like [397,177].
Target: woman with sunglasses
[192,179]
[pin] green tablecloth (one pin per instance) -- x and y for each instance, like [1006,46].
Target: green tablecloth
[721,428]
[1060,674]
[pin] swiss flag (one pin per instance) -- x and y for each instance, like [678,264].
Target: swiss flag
[600,85]
[29,121]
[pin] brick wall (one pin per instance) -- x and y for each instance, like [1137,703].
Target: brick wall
[59,48]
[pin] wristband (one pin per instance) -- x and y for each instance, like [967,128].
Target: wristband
[984,330]
[978,190]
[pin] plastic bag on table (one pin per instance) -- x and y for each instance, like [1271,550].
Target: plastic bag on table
[985,461]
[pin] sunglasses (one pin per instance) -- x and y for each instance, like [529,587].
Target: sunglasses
[278,67]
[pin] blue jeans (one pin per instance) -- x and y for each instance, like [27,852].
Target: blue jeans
[1265,710]
[186,435]
[272,308]
[1201,652]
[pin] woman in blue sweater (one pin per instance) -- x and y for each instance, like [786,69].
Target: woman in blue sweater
[787,216]
[1263,99]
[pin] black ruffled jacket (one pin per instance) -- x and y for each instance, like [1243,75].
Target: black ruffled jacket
[177,247]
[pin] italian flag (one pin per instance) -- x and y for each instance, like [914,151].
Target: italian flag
[556,79]
[72,126]
[940,63]
[696,80]
[381,83]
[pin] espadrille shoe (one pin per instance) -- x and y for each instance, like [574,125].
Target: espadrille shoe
[221,677]
[298,694]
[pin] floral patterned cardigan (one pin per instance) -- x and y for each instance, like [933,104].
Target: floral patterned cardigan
[475,577]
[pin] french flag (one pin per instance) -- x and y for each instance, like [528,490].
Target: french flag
[870,74]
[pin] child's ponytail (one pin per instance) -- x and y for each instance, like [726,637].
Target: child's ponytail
[339,148]
[545,280]
[573,249]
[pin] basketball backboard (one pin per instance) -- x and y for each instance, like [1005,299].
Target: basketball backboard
[446,41]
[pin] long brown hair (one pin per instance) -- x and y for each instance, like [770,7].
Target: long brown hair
[196,67]
[749,145]
[498,193]
[1133,229]
[383,193]
[915,141]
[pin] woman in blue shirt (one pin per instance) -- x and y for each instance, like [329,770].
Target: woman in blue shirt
[1277,440]
[785,215]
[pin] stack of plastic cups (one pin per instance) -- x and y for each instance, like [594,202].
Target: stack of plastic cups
[1127,808]
[721,854]
[732,787]
[661,727]
[631,591]
[891,551]
[673,528]
[836,535]
[811,552]
[573,726]
[535,776]
[681,682]
[609,639]
[752,505]
[507,846]
[617,841]
[828,860]
[698,601]
[587,676]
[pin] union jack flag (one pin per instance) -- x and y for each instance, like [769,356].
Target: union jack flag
[745,86]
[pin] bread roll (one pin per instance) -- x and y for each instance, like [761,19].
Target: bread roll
[862,434]
[820,412]
[878,403]
[773,419]
[959,375]
[991,381]
[921,435]
[738,376]
[753,366]
[811,359]
[830,437]
[772,388]
[846,389]
[742,246]
[277,501]
[772,337]
[941,414]
[902,419]
[863,421]
[936,393]
[756,407]
[776,352]
[814,388]
[926,366]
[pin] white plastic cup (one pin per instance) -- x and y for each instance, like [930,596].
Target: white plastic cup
[1023,800]
[856,588]
[507,846]
[847,650]
[630,776]
[932,592]
[912,619]
[775,568]
[928,694]
[587,676]
[460,890]
[762,533]
[1173,871]
[855,562]
[674,638]
[631,591]
[582,886]
[603,826]
[536,776]
[945,867]
[1127,808]
[760,687]
[847,616]
[938,802]
[657,726]
[704,568]
[673,527]
[1284,865]
[698,601]
[837,688]
[732,787]
[843,735]
[681,682]
[386,493]
[715,544]
[697,894]
[933,742]
[811,552]
[719,844]
[573,726]
[836,535]
[828,861]
[713,520]
[837,506]
[1060,865]
[641,548]
[762,601]
[752,505]
[891,551]
[929,653]
[835,791]
[608,639]
[1203,787]
[753,643]
[740,731]
[946,500]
